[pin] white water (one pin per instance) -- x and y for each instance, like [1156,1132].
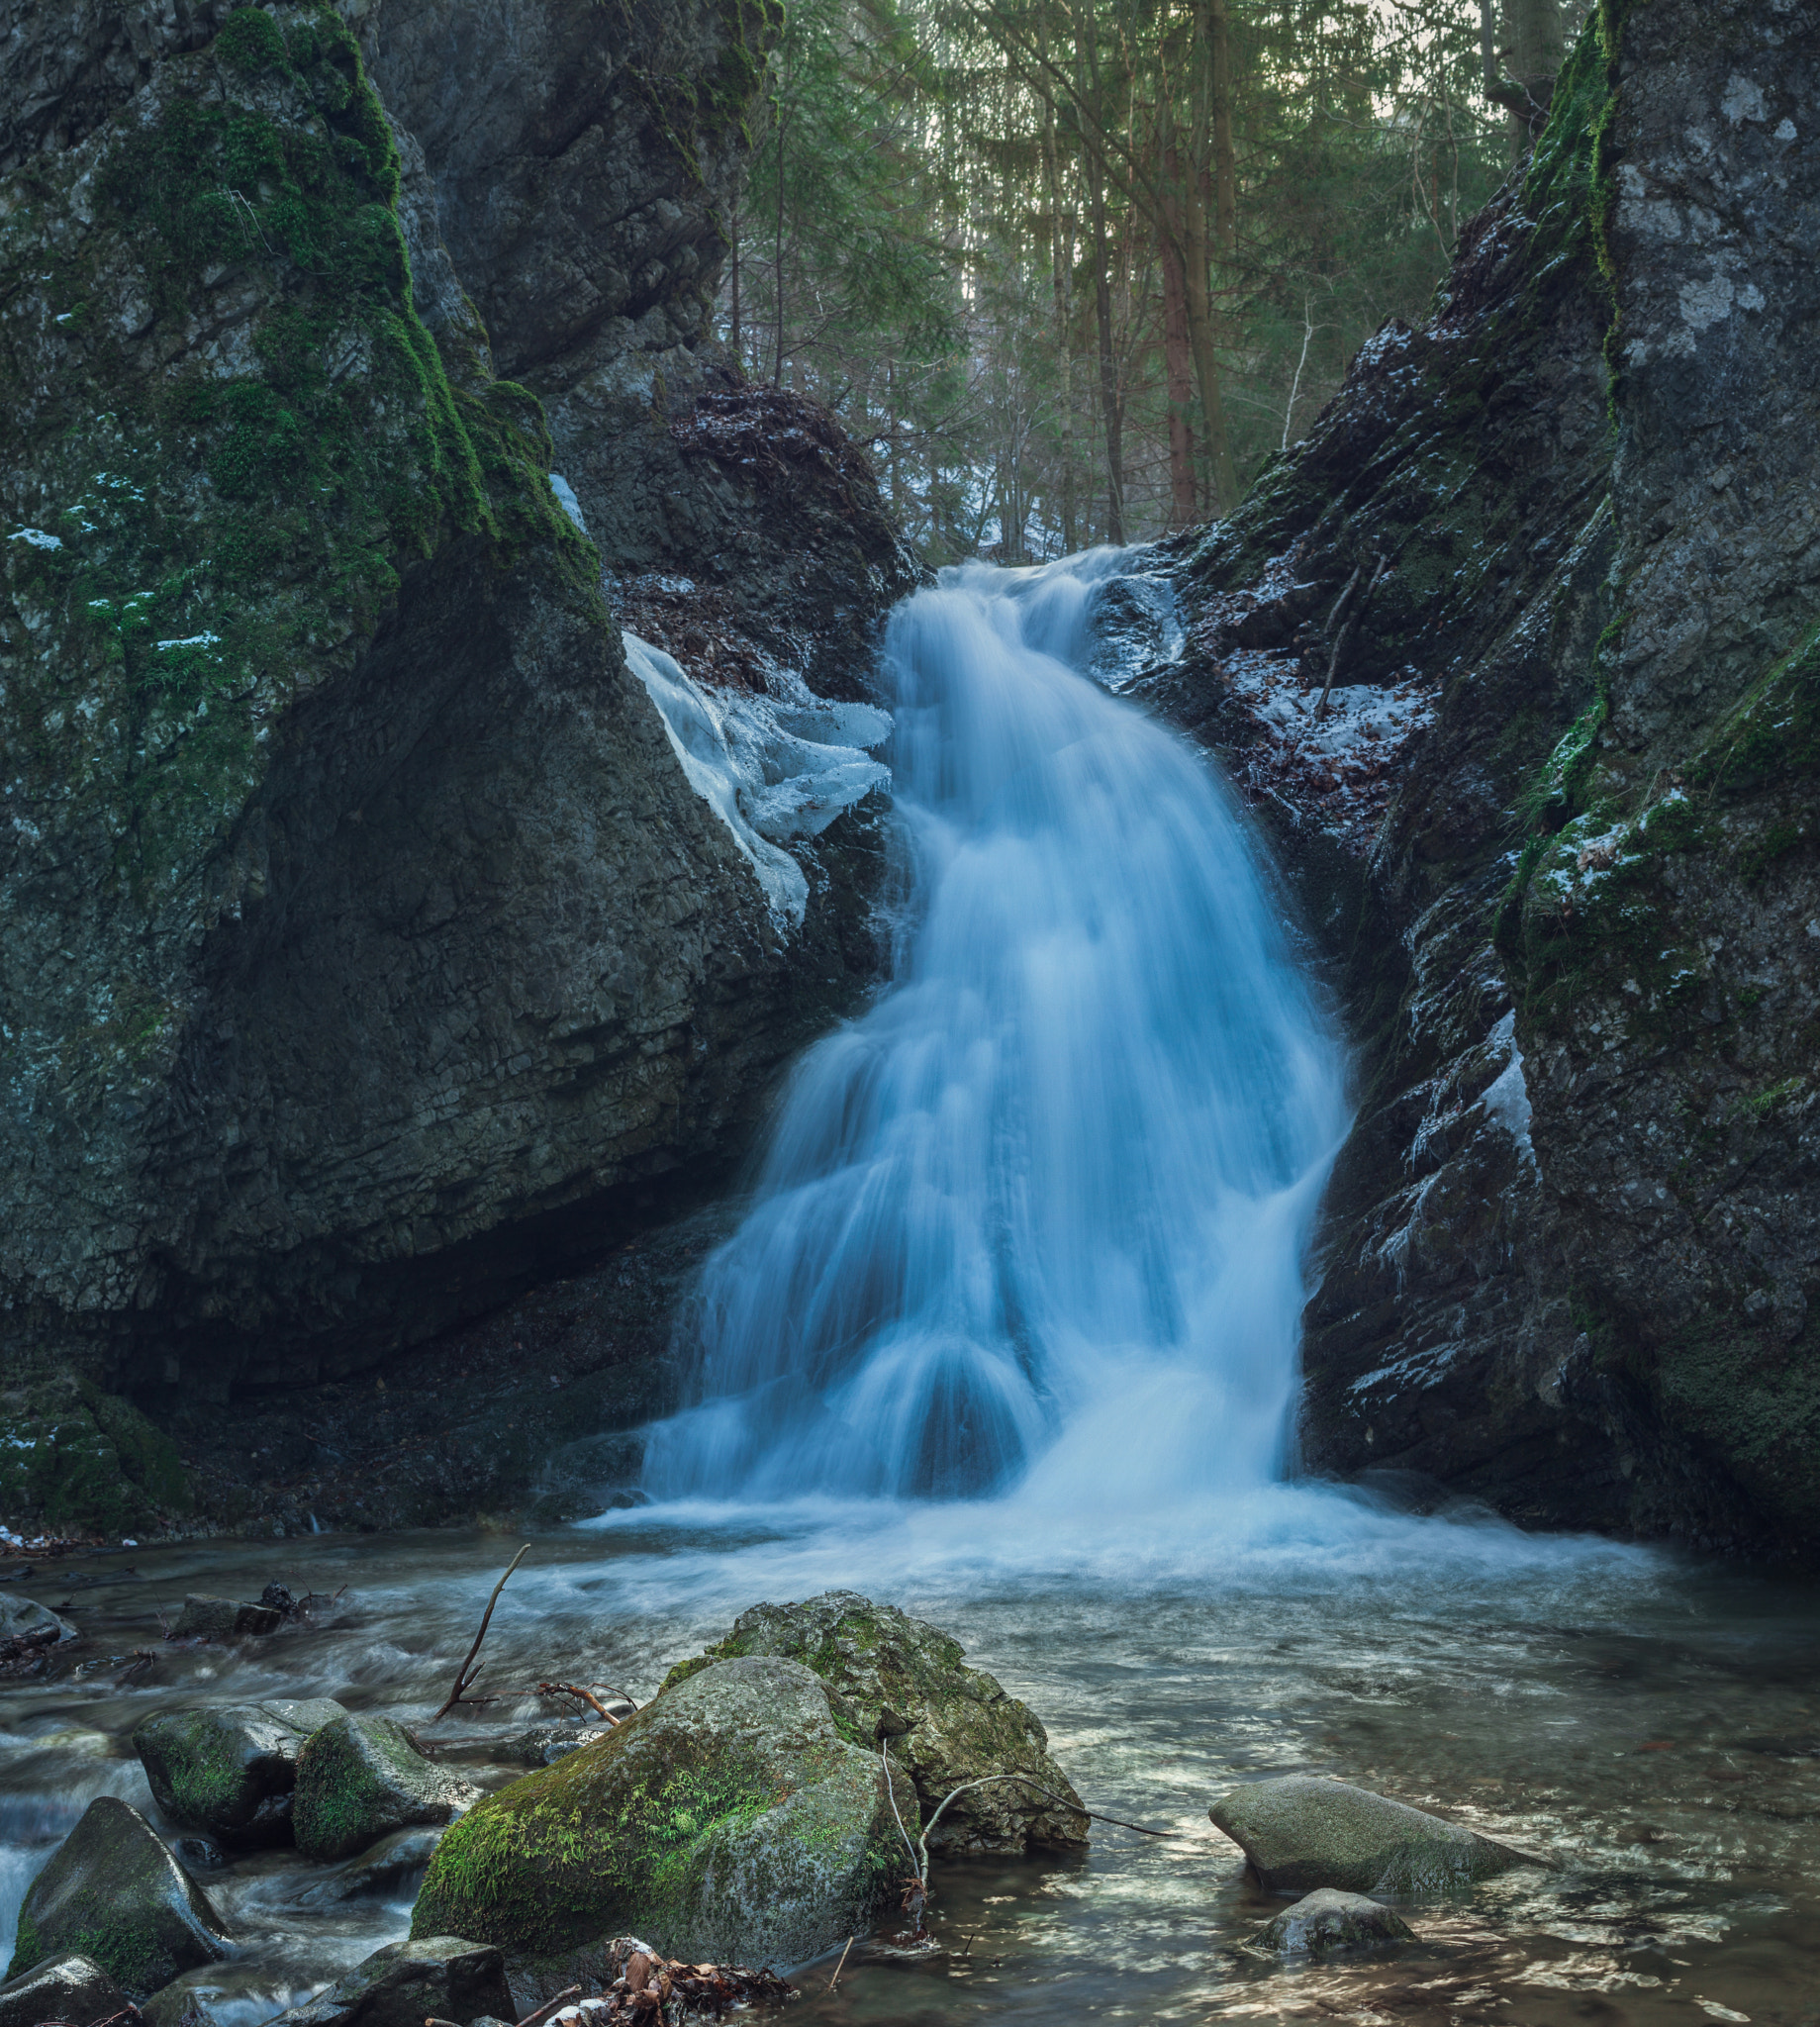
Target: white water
[1041,1216]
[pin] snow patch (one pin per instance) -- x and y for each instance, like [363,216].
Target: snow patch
[1508,1098]
[769,769]
[567,500]
[36,537]
[193,641]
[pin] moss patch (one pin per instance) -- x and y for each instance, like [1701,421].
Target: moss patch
[77,1461]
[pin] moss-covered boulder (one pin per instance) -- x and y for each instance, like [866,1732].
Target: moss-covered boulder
[360,1777]
[905,1681]
[76,1461]
[229,1771]
[732,1819]
[1302,1831]
[113,1894]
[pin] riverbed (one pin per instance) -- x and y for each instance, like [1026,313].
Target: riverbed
[1647,1722]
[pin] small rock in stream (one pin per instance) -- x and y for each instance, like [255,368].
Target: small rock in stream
[223,1618]
[544,1744]
[24,1622]
[440,1978]
[1327,1920]
[359,1778]
[383,1869]
[72,1989]
[1302,1831]
[228,1771]
[113,1888]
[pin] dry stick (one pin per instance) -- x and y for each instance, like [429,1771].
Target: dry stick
[568,1993]
[1345,633]
[840,1966]
[585,1695]
[465,1681]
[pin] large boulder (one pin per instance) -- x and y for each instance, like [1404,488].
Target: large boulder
[359,1779]
[906,1682]
[113,1894]
[73,1989]
[440,1978]
[1302,1831]
[731,1820]
[1326,1920]
[24,1625]
[228,1772]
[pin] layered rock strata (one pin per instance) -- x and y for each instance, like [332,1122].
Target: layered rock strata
[1554,833]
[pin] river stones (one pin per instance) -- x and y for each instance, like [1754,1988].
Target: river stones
[902,1679]
[359,1778]
[730,1821]
[228,1772]
[434,1977]
[1327,1920]
[72,1989]
[1302,1831]
[113,1894]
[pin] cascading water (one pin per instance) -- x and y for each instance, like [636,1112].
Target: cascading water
[1042,1214]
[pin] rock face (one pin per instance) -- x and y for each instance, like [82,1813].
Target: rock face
[69,1988]
[358,1778]
[1325,1921]
[1300,1832]
[228,1771]
[113,1894]
[437,1977]
[731,1820]
[902,1680]
[372,940]
[1557,840]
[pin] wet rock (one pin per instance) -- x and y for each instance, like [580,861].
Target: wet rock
[730,1821]
[358,1778]
[223,1618]
[24,1622]
[229,1771]
[439,1977]
[544,1744]
[1303,1831]
[73,1990]
[112,1888]
[901,1678]
[383,1869]
[1327,1920]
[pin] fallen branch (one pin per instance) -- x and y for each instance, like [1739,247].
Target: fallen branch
[583,1695]
[1345,633]
[569,1991]
[466,1674]
[840,1966]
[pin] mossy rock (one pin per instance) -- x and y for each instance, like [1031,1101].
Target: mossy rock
[1302,1831]
[901,1678]
[729,1819]
[74,1460]
[360,1777]
[441,1978]
[229,1771]
[67,1988]
[113,1894]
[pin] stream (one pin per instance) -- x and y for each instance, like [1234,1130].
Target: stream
[1009,1338]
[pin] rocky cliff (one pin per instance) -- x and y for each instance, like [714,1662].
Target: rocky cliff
[1558,552]
[377,933]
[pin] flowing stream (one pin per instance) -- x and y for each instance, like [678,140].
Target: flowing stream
[1009,1340]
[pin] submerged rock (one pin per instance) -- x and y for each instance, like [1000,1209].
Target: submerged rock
[229,1771]
[440,1978]
[730,1821]
[1302,1831]
[72,1989]
[223,1618]
[382,1868]
[1327,1920]
[25,1623]
[903,1679]
[358,1778]
[113,1893]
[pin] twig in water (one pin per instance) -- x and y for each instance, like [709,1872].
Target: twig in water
[464,1680]
[584,1695]
[549,2006]
[840,1966]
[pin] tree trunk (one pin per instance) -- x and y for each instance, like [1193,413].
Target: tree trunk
[777,363]
[1177,356]
[1222,476]
[1520,72]
[1225,166]
[1111,412]
[1061,270]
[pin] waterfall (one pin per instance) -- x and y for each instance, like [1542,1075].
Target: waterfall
[1040,1217]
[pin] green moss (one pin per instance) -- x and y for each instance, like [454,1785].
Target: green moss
[251,40]
[77,1461]
[1773,732]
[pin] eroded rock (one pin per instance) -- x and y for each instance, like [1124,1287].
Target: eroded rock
[360,1777]
[731,1821]
[1301,1831]
[902,1679]
[112,1892]
[228,1772]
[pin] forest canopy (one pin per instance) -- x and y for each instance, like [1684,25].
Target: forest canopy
[1074,269]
